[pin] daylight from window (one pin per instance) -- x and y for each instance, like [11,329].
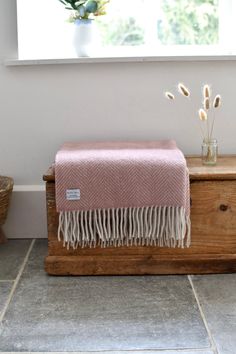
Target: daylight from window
[131,28]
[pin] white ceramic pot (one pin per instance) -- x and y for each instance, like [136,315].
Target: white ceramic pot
[86,38]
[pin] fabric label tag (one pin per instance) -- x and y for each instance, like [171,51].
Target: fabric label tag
[73,194]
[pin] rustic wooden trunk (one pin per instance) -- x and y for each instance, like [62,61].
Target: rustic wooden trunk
[3,238]
[213,246]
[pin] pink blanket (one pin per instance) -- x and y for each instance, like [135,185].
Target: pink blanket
[122,193]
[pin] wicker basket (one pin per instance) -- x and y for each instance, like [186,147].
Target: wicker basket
[6,186]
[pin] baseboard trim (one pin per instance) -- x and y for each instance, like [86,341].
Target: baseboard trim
[29,188]
[27,213]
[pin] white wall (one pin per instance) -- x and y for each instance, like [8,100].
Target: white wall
[43,106]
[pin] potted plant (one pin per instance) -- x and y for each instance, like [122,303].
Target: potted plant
[83,13]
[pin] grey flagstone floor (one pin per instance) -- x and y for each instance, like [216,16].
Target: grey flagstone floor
[116,315]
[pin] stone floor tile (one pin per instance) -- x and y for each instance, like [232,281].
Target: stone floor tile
[5,288]
[12,255]
[100,313]
[217,295]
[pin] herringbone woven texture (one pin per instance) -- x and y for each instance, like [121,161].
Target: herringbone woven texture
[121,174]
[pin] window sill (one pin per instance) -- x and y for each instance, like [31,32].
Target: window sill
[123,59]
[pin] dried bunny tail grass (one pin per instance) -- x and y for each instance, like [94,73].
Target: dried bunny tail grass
[217,101]
[169,95]
[183,90]
[206,103]
[202,114]
[206,91]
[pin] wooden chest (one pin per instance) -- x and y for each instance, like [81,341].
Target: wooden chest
[213,246]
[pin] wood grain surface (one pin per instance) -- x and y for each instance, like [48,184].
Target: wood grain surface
[213,246]
[3,238]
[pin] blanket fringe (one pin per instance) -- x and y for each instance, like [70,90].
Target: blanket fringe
[165,226]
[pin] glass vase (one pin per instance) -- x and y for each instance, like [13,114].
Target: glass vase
[209,152]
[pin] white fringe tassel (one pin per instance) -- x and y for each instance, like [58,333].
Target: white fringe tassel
[144,226]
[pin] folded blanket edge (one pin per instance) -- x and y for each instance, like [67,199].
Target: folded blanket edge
[163,226]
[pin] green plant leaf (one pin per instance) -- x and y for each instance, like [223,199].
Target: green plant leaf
[72,3]
[63,2]
[91,6]
[78,3]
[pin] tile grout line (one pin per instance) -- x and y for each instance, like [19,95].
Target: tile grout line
[7,281]
[136,351]
[213,346]
[16,281]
